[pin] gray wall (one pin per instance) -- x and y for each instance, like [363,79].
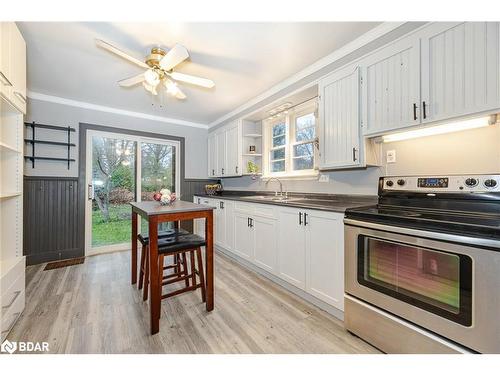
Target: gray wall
[64,115]
[471,151]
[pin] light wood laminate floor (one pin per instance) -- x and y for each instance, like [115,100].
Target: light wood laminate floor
[93,308]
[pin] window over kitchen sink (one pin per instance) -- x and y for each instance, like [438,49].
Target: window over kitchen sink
[289,145]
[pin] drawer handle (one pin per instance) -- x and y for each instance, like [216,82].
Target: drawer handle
[15,316]
[16,294]
[20,96]
[5,80]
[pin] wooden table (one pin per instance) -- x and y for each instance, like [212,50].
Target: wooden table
[155,213]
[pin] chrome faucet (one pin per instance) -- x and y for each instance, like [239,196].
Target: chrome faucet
[281,187]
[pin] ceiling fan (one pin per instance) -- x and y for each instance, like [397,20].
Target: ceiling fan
[159,65]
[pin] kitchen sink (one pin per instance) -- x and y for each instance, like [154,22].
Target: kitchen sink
[271,198]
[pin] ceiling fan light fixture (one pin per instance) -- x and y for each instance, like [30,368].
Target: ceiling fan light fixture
[152,77]
[172,88]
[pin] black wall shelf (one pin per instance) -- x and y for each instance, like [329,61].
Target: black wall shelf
[33,141]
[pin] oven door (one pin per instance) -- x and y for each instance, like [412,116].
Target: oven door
[448,284]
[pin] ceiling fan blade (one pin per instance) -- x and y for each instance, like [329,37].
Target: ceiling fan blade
[131,81]
[180,95]
[198,81]
[176,55]
[119,52]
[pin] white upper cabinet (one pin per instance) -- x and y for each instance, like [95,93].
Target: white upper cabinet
[391,87]
[13,65]
[224,151]
[339,119]
[460,69]
[221,153]
[233,154]
[212,155]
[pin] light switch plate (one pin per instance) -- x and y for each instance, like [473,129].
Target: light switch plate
[324,178]
[391,156]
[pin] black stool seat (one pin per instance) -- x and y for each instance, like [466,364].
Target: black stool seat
[161,234]
[174,244]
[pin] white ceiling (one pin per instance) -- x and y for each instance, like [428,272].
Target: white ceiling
[244,60]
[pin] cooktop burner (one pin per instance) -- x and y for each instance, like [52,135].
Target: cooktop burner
[445,203]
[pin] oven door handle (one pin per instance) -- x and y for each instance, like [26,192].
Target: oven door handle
[475,241]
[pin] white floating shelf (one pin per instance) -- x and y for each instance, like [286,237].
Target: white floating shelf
[252,154]
[252,135]
[9,194]
[8,147]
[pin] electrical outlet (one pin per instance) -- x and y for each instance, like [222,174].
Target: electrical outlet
[391,156]
[324,178]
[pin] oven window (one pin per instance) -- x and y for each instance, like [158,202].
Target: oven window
[437,281]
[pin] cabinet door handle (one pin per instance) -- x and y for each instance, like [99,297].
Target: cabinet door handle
[300,218]
[221,205]
[305,218]
[5,80]
[20,96]
[236,168]
[251,222]
[248,222]
[354,154]
[424,109]
[213,172]
[222,171]
[90,192]
[414,111]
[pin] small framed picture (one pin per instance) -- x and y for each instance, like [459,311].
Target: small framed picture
[251,149]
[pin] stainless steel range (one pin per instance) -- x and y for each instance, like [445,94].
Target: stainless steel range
[423,265]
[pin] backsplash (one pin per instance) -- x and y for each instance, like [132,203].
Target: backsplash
[470,151]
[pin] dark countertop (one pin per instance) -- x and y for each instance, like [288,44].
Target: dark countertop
[325,202]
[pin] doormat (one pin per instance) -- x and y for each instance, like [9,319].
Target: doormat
[64,263]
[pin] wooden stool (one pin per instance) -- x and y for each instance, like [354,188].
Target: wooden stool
[179,246]
[144,240]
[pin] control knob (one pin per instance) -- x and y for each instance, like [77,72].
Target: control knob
[389,183]
[490,183]
[401,182]
[471,182]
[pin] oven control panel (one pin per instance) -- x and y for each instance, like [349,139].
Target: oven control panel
[443,183]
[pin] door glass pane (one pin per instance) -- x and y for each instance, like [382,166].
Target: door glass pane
[113,179]
[157,172]
[430,276]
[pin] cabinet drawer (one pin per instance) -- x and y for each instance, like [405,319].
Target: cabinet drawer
[11,277]
[247,208]
[10,315]
[265,211]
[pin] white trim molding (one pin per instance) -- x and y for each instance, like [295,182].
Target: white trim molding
[101,108]
[350,47]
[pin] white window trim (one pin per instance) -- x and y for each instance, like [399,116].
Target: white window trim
[303,109]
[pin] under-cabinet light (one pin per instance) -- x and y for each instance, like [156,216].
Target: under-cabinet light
[439,129]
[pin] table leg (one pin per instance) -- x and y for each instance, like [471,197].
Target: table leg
[134,248]
[209,259]
[154,277]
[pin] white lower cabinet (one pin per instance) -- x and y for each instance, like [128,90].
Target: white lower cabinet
[265,243]
[325,256]
[311,253]
[243,236]
[305,248]
[292,249]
